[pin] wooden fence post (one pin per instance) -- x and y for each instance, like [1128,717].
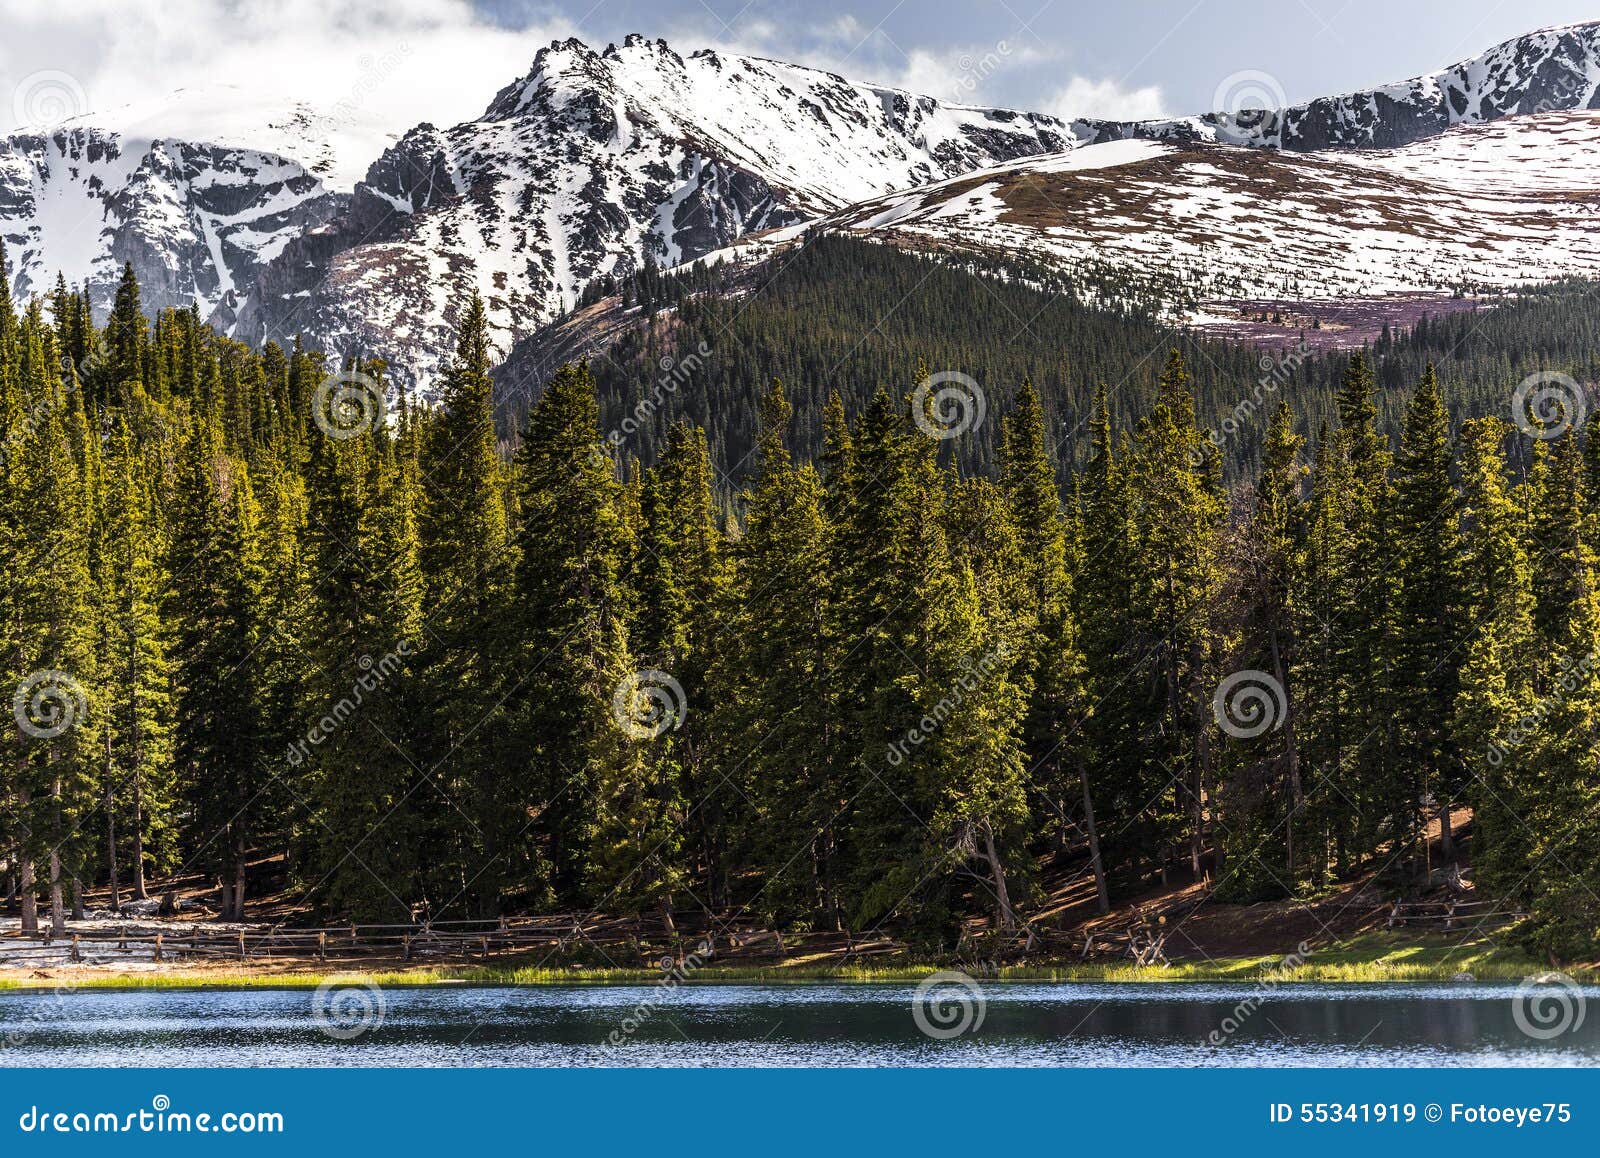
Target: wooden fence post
[322,946]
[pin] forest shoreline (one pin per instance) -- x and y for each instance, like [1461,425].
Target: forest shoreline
[1372,960]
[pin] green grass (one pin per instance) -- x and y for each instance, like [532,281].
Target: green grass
[1374,957]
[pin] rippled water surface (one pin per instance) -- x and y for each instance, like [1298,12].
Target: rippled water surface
[1007,1024]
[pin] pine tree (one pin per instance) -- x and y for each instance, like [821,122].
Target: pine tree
[1498,671]
[579,709]
[53,628]
[1326,693]
[124,342]
[1265,797]
[1049,664]
[1112,770]
[465,558]
[1562,557]
[214,605]
[1428,566]
[1367,619]
[681,585]
[136,671]
[358,751]
[1177,579]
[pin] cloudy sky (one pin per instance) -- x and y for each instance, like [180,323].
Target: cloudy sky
[442,60]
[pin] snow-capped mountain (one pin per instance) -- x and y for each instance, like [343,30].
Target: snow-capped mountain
[198,190]
[596,162]
[278,220]
[1199,224]
[1550,70]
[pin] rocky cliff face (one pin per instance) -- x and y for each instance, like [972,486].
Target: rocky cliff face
[200,191]
[1553,70]
[595,163]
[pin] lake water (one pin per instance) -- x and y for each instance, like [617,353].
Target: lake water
[1003,1024]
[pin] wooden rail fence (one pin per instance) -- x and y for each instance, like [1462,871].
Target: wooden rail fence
[559,937]
[1452,915]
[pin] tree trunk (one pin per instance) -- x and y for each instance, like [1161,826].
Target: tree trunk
[139,890]
[29,898]
[1291,757]
[1102,893]
[77,898]
[1447,842]
[1008,918]
[111,847]
[1196,819]
[238,880]
[58,907]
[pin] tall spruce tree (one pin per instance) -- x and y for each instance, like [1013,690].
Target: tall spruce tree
[1427,541]
[581,704]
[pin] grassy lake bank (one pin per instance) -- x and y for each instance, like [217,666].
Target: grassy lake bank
[1371,958]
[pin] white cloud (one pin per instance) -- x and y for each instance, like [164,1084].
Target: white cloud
[444,63]
[407,61]
[1083,97]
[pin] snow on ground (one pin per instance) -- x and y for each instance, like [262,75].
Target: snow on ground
[135,951]
[334,145]
[1501,204]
